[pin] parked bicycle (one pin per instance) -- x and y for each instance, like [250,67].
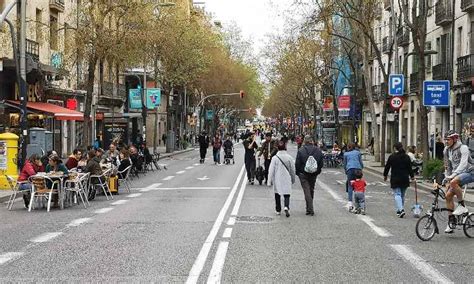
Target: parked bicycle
[427,226]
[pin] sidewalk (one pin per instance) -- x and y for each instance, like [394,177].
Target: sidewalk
[374,167]
[5,194]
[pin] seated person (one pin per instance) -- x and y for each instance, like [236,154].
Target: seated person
[45,159]
[113,154]
[55,164]
[124,163]
[32,167]
[73,160]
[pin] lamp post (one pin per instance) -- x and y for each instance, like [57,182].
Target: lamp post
[142,94]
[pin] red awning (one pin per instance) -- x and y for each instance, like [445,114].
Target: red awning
[59,113]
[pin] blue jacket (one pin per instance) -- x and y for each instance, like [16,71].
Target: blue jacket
[353,160]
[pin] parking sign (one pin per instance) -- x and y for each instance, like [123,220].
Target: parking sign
[436,93]
[396,84]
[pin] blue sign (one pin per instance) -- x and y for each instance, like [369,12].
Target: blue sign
[135,98]
[153,97]
[209,114]
[436,93]
[396,84]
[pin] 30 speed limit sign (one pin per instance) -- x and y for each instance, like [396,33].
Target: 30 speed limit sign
[396,102]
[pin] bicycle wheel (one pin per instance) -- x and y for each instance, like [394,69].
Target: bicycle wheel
[426,228]
[468,226]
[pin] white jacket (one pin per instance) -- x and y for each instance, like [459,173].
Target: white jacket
[279,176]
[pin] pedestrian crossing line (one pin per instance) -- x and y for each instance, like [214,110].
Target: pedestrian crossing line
[134,195]
[189,168]
[6,257]
[103,210]
[45,237]
[227,233]
[119,202]
[168,178]
[78,222]
[217,266]
[378,230]
[180,172]
[231,221]
[423,267]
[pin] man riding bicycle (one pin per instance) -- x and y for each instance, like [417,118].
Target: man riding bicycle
[459,172]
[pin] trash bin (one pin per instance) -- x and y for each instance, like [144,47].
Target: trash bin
[38,137]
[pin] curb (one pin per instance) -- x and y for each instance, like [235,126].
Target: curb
[421,187]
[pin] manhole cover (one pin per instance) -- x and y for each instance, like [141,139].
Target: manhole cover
[254,219]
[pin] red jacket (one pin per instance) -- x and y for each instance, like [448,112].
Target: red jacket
[71,163]
[29,169]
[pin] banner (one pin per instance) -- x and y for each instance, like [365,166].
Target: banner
[344,105]
[135,98]
[153,98]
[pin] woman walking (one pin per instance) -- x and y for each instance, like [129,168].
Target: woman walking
[282,174]
[352,164]
[216,149]
[400,165]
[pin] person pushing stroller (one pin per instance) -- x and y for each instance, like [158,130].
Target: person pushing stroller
[228,150]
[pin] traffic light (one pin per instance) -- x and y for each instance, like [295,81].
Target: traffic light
[242,94]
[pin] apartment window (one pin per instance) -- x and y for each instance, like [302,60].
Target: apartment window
[460,42]
[428,62]
[53,32]
[438,49]
[39,25]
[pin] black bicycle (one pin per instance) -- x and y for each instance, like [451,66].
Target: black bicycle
[427,226]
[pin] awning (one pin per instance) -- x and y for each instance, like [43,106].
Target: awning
[59,113]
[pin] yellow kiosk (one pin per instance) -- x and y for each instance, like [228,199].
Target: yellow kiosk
[8,158]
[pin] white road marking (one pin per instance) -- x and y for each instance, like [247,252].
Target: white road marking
[216,270]
[45,237]
[231,221]
[119,202]
[180,172]
[197,164]
[331,192]
[168,178]
[6,257]
[203,178]
[227,233]
[238,201]
[77,222]
[103,210]
[341,182]
[188,168]
[203,254]
[191,187]
[134,195]
[425,269]
[379,231]
[150,187]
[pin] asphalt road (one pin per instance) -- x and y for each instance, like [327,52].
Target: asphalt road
[201,223]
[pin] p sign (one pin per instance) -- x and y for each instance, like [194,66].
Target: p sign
[396,84]
[396,103]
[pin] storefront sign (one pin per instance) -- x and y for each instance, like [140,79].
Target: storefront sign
[71,104]
[115,132]
[135,98]
[3,155]
[153,98]
[344,105]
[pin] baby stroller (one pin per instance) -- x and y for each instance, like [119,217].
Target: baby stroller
[259,172]
[229,155]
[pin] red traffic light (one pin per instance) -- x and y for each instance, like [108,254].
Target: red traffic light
[242,94]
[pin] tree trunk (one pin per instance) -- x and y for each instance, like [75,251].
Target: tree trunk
[384,131]
[370,99]
[88,99]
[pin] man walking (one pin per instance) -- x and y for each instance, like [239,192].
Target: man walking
[308,169]
[268,150]
[203,145]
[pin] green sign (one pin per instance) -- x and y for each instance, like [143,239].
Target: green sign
[135,98]
[56,60]
[153,97]
[209,114]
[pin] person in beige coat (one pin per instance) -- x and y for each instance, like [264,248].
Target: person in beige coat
[282,175]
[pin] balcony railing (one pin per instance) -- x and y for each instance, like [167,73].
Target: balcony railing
[465,68]
[385,45]
[467,5]
[56,5]
[441,71]
[403,37]
[32,49]
[414,83]
[443,12]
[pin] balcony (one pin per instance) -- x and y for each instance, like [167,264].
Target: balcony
[441,71]
[387,4]
[56,5]
[443,13]
[467,5]
[403,37]
[414,83]
[385,45]
[465,68]
[32,49]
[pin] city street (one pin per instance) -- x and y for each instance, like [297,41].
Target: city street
[204,223]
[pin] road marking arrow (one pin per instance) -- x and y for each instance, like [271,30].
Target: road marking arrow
[203,178]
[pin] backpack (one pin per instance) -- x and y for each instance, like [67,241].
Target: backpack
[311,165]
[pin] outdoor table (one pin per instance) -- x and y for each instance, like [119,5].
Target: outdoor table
[56,176]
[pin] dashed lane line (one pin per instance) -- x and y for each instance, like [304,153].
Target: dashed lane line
[231,221]
[227,233]
[168,178]
[134,195]
[216,271]
[45,237]
[103,210]
[180,172]
[119,202]
[78,222]
[369,221]
[6,257]
[189,168]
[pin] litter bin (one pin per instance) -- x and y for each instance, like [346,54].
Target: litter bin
[8,158]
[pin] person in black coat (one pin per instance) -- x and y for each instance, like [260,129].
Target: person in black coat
[250,146]
[203,145]
[124,163]
[439,148]
[400,165]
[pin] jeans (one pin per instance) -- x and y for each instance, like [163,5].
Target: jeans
[307,183]
[267,167]
[359,199]
[217,155]
[250,167]
[278,201]
[399,194]
[350,176]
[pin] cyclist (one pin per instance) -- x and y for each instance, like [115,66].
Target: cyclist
[459,172]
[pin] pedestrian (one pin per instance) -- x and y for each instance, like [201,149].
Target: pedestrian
[370,147]
[352,161]
[308,179]
[400,165]
[203,145]
[250,146]
[163,138]
[74,159]
[359,185]
[216,149]
[268,150]
[439,148]
[299,141]
[97,142]
[282,175]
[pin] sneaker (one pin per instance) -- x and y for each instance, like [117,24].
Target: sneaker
[449,230]
[287,211]
[362,211]
[401,214]
[460,210]
[278,213]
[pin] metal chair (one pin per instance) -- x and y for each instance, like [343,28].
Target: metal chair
[102,182]
[76,184]
[125,177]
[39,189]
[15,188]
